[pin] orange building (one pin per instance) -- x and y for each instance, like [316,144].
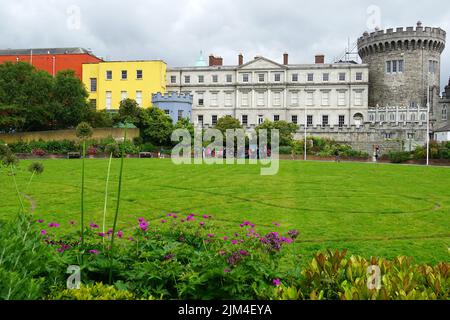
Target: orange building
[52,60]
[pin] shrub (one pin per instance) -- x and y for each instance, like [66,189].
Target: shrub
[285,150]
[92,151]
[148,147]
[97,291]
[39,152]
[399,157]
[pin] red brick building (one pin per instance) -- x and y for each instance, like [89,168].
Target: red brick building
[51,60]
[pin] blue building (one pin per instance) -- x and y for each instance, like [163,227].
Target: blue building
[177,106]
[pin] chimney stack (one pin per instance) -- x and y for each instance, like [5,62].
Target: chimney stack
[285,59]
[240,59]
[215,61]
[320,59]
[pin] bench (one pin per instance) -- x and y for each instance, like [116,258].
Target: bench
[73,155]
[145,155]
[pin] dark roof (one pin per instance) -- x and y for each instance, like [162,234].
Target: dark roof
[443,129]
[37,51]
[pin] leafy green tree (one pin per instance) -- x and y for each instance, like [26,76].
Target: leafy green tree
[227,122]
[155,126]
[129,112]
[100,119]
[70,97]
[286,130]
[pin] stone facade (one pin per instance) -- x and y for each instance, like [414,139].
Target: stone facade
[443,109]
[330,94]
[402,64]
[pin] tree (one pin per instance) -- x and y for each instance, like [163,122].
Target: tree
[227,122]
[70,98]
[99,119]
[286,130]
[129,112]
[155,126]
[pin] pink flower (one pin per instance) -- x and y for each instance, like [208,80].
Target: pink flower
[234,241]
[276,224]
[227,270]
[202,223]
[206,216]
[101,234]
[130,238]
[40,221]
[163,221]
[53,225]
[120,234]
[93,226]
[141,219]
[169,215]
[276,282]
[93,251]
[182,220]
[222,252]
[43,232]
[174,216]
[210,235]
[225,238]
[110,231]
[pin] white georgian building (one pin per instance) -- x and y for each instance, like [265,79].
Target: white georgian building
[328,94]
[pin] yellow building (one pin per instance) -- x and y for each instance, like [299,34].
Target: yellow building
[110,82]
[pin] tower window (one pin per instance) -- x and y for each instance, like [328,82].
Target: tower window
[394,66]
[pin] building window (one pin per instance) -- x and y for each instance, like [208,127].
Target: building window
[201,79]
[214,98]
[139,98]
[93,84]
[201,100]
[277,77]
[394,66]
[228,99]
[295,77]
[93,103]
[294,98]
[244,98]
[124,75]
[341,98]
[309,120]
[432,66]
[245,77]
[413,117]
[403,116]
[342,76]
[341,121]
[276,118]
[325,98]
[123,95]
[187,79]
[411,136]
[324,120]
[261,77]
[244,120]
[382,117]
[215,78]
[200,119]
[372,117]
[444,113]
[180,114]
[310,77]
[276,98]
[108,75]
[325,77]
[229,78]
[294,119]
[139,74]
[388,135]
[310,98]
[173,79]
[167,111]
[358,98]
[359,76]
[392,116]
[108,100]
[260,100]
[260,119]
[214,120]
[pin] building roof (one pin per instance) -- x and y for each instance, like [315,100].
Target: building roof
[39,51]
[443,129]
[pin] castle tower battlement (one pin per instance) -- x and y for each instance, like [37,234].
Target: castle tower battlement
[403,64]
[172,97]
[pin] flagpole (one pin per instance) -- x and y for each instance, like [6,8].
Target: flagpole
[306,124]
[428,122]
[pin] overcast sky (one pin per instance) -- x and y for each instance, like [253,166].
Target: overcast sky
[176,30]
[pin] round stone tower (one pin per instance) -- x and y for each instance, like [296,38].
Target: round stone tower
[402,62]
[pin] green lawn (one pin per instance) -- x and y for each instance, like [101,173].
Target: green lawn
[383,210]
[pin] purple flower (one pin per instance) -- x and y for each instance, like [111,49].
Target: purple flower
[141,219]
[241,225]
[163,221]
[110,231]
[43,232]
[71,222]
[202,223]
[169,215]
[170,256]
[276,224]
[101,234]
[40,221]
[210,235]
[120,234]
[236,234]
[225,238]
[272,241]
[276,282]
[93,226]
[222,252]
[226,270]
[234,242]
[53,225]
[143,225]
[190,217]
[293,233]
[130,239]
[286,240]
[244,253]
[93,251]
[174,216]
[182,220]
[206,216]
[234,258]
